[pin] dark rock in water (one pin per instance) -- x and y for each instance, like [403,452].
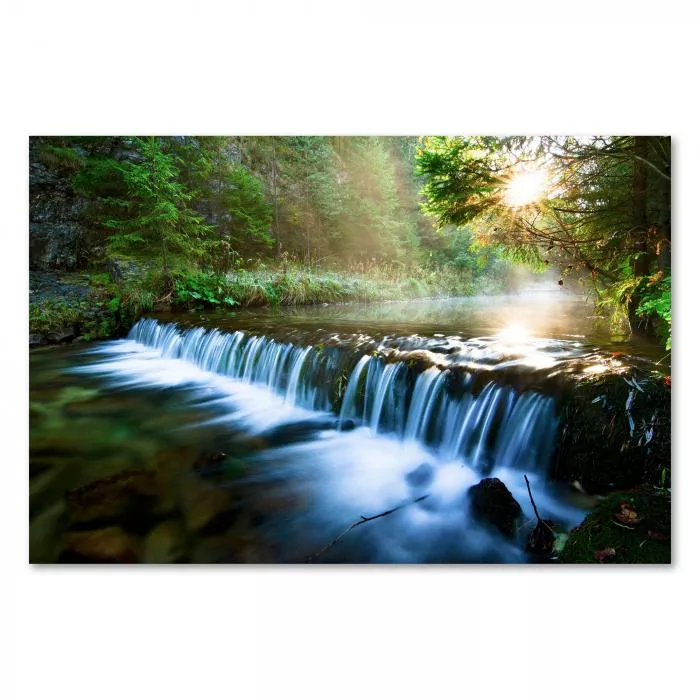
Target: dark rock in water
[347,424]
[421,476]
[165,544]
[126,498]
[36,339]
[64,335]
[110,545]
[297,432]
[492,503]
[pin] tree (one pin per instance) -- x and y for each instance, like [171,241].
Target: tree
[159,219]
[604,212]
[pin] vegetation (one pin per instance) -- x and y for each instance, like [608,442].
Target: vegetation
[234,221]
[224,222]
[626,528]
[597,208]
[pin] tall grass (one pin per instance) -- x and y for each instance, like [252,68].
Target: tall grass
[299,286]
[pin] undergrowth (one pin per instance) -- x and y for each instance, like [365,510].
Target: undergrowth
[110,308]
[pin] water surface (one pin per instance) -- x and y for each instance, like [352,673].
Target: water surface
[306,422]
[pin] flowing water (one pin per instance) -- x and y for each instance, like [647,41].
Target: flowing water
[309,420]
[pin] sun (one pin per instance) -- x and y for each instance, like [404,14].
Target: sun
[525,187]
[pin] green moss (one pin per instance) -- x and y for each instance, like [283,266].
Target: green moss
[648,542]
[615,435]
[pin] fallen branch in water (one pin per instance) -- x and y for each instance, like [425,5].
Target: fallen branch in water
[542,538]
[362,521]
[532,500]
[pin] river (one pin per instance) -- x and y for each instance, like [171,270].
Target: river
[262,436]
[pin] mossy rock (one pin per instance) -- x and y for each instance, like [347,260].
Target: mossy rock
[614,434]
[606,536]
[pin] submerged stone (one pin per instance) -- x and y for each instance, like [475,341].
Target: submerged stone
[127,497]
[165,544]
[110,545]
[421,476]
[206,509]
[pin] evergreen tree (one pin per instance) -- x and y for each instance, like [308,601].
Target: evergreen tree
[159,219]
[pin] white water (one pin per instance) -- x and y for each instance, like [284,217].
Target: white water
[416,437]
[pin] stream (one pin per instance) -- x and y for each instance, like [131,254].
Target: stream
[262,436]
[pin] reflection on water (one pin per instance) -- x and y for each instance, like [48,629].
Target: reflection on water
[208,447]
[539,314]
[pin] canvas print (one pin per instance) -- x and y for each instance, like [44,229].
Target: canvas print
[350,349]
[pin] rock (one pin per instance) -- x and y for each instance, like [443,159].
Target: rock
[421,476]
[165,544]
[612,435]
[127,498]
[492,503]
[63,335]
[300,431]
[36,339]
[206,509]
[110,545]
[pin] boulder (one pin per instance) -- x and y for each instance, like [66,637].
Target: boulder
[62,335]
[36,339]
[493,504]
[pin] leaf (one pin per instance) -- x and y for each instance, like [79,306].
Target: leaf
[559,542]
[604,554]
[628,515]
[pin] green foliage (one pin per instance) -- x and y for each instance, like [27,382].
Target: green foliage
[202,289]
[91,318]
[603,215]
[60,157]
[159,219]
[655,303]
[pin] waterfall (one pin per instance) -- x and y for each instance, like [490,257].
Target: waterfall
[489,428]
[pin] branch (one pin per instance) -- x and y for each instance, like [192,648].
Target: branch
[532,500]
[363,520]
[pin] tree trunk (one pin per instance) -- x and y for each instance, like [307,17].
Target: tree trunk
[276,198]
[640,223]
[664,233]
[639,205]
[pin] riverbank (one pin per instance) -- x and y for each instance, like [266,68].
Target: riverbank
[99,305]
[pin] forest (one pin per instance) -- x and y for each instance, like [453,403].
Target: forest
[237,221]
[350,349]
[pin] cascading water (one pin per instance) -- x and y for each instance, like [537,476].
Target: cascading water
[494,427]
[418,430]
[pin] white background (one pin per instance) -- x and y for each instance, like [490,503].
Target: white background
[347,68]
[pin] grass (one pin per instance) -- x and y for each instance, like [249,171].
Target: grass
[299,286]
[110,308]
